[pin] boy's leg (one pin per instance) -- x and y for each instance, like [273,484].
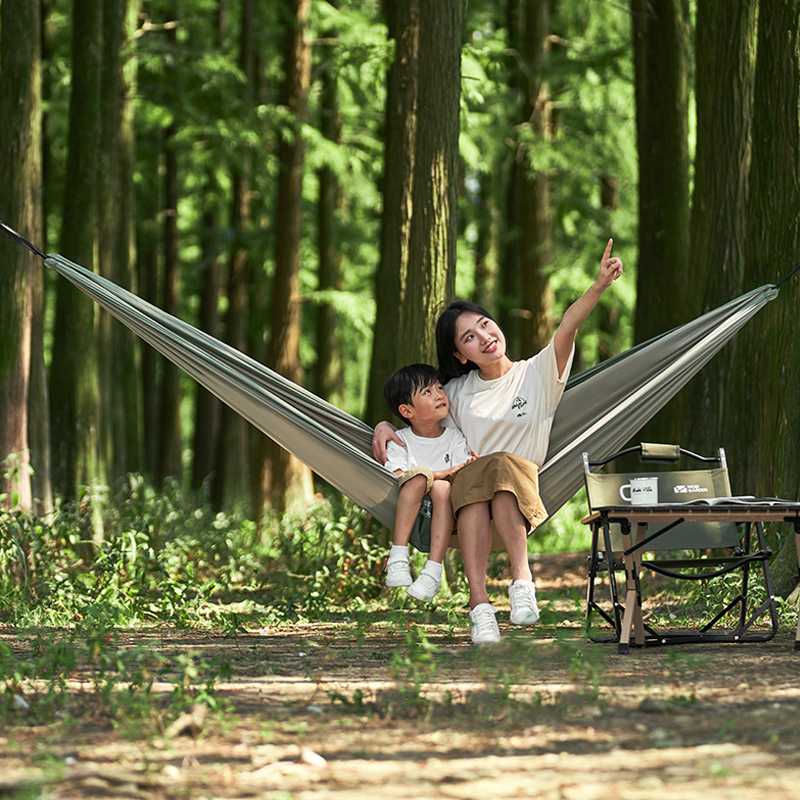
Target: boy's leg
[441,520]
[427,584]
[408,502]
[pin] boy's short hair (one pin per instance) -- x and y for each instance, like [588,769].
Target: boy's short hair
[401,385]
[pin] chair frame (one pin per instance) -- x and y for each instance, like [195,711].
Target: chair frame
[608,556]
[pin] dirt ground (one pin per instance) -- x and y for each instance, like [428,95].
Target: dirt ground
[363,708]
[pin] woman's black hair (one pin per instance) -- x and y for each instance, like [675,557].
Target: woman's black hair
[401,385]
[449,365]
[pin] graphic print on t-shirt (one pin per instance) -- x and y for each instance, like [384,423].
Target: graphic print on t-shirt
[519,406]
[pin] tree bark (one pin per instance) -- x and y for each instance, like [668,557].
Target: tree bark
[763,414]
[725,62]
[400,126]
[74,388]
[509,272]
[329,369]
[233,464]
[533,189]
[207,408]
[434,219]
[120,430]
[663,295]
[20,174]
[291,480]
[169,459]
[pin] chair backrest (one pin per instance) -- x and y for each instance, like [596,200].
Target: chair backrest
[614,490]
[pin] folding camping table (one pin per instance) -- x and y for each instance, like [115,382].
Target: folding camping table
[739,511]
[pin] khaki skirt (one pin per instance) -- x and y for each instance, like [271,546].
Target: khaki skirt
[480,480]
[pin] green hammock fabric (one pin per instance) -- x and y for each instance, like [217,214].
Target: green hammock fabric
[602,407]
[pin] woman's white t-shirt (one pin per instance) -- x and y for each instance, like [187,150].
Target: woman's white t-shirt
[513,413]
[436,453]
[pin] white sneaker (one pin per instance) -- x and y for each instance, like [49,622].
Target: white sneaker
[424,587]
[524,608]
[397,573]
[484,625]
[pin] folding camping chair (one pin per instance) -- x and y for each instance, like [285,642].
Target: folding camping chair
[671,547]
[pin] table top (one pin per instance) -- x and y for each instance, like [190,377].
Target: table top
[734,510]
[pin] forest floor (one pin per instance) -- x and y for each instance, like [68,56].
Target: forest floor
[368,707]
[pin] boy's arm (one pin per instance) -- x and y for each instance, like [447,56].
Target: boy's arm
[564,338]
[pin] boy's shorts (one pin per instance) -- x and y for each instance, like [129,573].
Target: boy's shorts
[421,532]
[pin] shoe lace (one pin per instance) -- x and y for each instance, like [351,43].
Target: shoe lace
[483,619]
[523,593]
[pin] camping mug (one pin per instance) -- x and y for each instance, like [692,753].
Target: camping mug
[643,491]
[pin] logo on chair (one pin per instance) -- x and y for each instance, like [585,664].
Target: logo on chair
[691,488]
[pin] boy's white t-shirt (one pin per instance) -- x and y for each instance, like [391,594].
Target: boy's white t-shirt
[513,413]
[436,453]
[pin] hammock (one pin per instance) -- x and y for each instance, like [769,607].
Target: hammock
[601,409]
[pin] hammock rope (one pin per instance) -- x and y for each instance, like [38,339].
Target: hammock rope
[601,409]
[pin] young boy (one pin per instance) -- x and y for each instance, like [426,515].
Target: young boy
[432,454]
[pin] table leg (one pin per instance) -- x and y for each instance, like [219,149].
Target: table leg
[632,619]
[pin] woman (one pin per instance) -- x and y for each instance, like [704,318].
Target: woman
[505,409]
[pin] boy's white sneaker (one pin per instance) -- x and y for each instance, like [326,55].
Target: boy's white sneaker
[424,587]
[397,573]
[524,608]
[484,625]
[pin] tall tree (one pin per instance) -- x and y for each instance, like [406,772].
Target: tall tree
[20,174]
[234,465]
[120,388]
[663,294]
[533,184]
[724,70]
[291,480]
[400,132]
[434,218]
[207,408]
[328,369]
[762,414]
[38,399]
[169,458]
[74,390]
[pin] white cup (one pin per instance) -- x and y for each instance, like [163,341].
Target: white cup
[643,491]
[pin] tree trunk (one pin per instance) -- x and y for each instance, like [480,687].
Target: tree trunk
[169,460]
[434,219]
[233,462]
[38,399]
[73,375]
[207,407]
[763,415]
[329,369]
[291,480]
[120,389]
[533,190]
[509,269]
[664,291]
[147,264]
[20,174]
[725,60]
[398,169]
